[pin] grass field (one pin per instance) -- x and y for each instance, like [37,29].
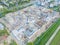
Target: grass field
[44,37]
[41,40]
[56,40]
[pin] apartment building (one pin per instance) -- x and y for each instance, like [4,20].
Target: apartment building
[27,24]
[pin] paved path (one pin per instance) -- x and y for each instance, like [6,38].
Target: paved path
[51,38]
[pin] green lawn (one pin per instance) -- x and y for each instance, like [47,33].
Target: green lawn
[56,40]
[13,42]
[41,40]
[3,32]
[30,43]
[5,43]
[46,35]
